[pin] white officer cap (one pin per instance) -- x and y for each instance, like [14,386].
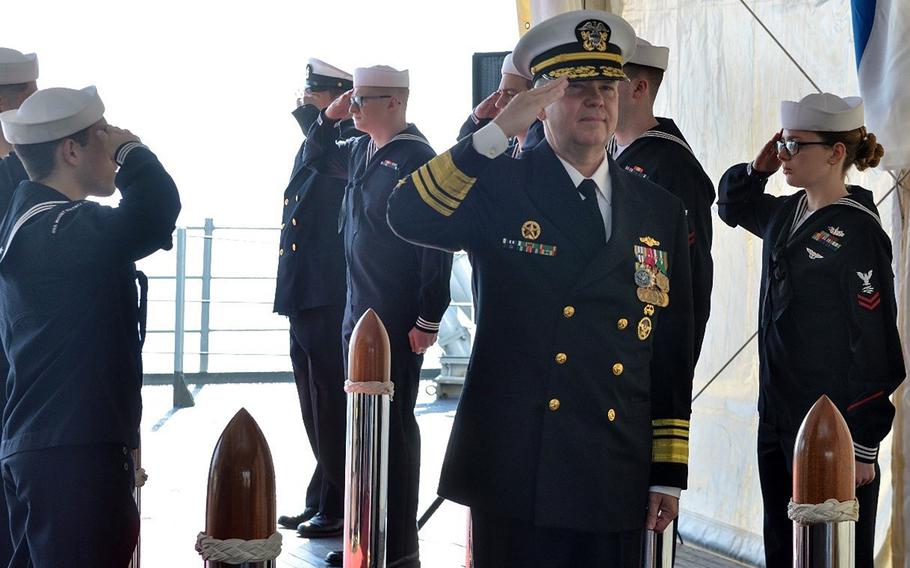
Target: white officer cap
[321,75]
[650,55]
[508,67]
[52,114]
[822,112]
[17,67]
[381,76]
[580,45]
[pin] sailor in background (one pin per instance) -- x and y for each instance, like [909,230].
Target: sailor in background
[512,82]
[656,150]
[407,285]
[572,430]
[827,311]
[310,291]
[73,322]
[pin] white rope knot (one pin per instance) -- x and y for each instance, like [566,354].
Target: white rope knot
[371,387]
[237,550]
[831,511]
[141,477]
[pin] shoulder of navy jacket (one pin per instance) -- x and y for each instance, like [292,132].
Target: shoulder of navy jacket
[442,183]
[34,210]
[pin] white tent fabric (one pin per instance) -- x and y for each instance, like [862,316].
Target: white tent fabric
[724,85]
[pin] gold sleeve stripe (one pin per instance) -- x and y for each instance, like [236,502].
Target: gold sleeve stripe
[670,450]
[425,196]
[455,182]
[671,432]
[670,422]
[433,187]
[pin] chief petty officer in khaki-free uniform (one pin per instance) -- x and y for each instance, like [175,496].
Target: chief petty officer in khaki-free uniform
[310,290]
[572,432]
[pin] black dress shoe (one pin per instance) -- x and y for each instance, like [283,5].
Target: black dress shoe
[334,558]
[294,522]
[321,526]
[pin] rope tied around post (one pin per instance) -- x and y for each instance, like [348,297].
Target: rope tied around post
[371,387]
[238,551]
[831,511]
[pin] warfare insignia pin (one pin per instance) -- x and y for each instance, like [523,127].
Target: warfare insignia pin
[644,328]
[649,310]
[813,255]
[650,241]
[593,35]
[530,230]
[836,231]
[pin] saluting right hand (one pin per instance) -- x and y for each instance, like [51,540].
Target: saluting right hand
[525,107]
[340,109]
[113,138]
[767,161]
[487,107]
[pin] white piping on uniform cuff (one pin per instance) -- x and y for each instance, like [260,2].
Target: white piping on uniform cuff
[865,452]
[490,140]
[427,324]
[125,149]
[671,491]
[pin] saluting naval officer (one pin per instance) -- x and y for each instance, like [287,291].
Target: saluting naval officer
[655,149]
[511,83]
[572,431]
[72,322]
[310,291]
[407,285]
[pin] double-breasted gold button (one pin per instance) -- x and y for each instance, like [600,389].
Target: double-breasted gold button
[618,369]
[294,247]
[568,311]
[554,404]
[622,323]
[611,415]
[561,358]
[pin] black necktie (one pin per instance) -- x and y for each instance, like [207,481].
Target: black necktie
[589,190]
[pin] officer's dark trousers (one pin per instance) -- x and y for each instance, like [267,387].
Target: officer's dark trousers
[318,363]
[775,470]
[501,542]
[404,439]
[71,506]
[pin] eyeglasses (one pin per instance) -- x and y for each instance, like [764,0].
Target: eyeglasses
[792,146]
[360,99]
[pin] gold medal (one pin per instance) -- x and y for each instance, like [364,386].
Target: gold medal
[662,281]
[530,230]
[649,295]
[649,310]
[644,328]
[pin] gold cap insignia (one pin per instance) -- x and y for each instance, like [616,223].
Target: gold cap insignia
[593,35]
[530,230]
[650,241]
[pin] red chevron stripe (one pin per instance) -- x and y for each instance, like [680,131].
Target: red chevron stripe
[869,302]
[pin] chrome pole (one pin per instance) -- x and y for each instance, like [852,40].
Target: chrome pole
[657,548]
[824,545]
[366,485]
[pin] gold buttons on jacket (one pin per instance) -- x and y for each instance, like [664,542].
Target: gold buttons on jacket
[618,369]
[568,311]
[611,415]
[294,247]
[293,221]
[622,323]
[561,358]
[554,404]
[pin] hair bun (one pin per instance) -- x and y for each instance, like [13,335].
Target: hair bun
[869,153]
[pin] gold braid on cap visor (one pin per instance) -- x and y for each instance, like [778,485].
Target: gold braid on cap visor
[582,56]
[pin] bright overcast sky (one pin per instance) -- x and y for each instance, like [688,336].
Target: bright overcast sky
[210,85]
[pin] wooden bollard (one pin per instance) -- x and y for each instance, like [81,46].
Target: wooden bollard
[367,444]
[241,489]
[823,469]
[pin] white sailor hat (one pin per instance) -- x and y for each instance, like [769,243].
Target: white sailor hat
[381,76]
[580,45]
[17,67]
[52,114]
[822,112]
[650,55]
[320,76]
[508,67]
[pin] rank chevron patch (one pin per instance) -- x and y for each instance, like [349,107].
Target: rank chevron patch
[869,302]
